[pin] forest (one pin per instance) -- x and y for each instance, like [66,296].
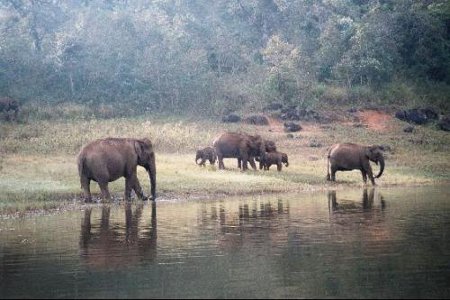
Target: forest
[211,57]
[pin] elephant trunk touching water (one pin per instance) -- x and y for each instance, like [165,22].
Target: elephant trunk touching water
[348,156]
[106,160]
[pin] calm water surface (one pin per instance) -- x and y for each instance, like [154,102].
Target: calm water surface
[382,243]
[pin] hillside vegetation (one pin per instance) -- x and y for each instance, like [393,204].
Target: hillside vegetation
[203,57]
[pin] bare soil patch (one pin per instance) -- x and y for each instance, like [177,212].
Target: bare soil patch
[375,120]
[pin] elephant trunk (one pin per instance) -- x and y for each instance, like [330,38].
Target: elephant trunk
[381,161]
[262,151]
[286,164]
[152,175]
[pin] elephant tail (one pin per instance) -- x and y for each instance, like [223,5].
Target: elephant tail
[81,164]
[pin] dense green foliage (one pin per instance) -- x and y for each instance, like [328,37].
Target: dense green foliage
[212,56]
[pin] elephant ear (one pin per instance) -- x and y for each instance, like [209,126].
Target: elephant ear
[369,152]
[142,148]
[373,152]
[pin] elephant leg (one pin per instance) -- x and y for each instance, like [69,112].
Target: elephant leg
[245,159]
[239,163]
[364,176]
[370,174]
[244,165]
[333,173]
[279,166]
[132,183]
[252,163]
[105,191]
[202,163]
[86,184]
[138,190]
[220,158]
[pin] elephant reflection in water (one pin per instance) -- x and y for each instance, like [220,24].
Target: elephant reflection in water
[250,224]
[112,246]
[366,216]
[367,201]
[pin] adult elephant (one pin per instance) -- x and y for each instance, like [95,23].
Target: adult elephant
[348,156]
[270,147]
[106,160]
[239,145]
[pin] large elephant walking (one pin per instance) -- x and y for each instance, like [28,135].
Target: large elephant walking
[348,156]
[239,145]
[106,160]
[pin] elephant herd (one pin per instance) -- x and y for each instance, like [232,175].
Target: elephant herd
[106,160]
[246,148]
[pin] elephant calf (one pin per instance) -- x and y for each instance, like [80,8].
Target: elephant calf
[205,154]
[273,158]
[106,160]
[348,156]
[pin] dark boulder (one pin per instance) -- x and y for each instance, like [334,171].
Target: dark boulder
[9,108]
[290,113]
[257,120]
[273,106]
[418,116]
[309,115]
[444,123]
[408,129]
[292,127]
[231,118]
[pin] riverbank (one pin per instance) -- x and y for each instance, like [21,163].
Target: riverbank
[38,162]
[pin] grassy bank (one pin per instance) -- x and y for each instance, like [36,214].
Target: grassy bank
[38,169]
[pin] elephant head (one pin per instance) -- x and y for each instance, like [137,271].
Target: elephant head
[258,146]
[270,146]
[375,154]
[146,159]
[284,159]
[198,155]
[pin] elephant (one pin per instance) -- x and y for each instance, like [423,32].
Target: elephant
[270,147]
[9,106]
[348,156]
[105,160]
[273,158]
[205,154]
[239,145]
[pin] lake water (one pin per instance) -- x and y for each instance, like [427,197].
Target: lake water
[368,243]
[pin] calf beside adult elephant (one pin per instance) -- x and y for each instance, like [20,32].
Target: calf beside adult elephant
[274,158]
[239,145]
[348,156]
[207,153]
[270,147]
[106,160]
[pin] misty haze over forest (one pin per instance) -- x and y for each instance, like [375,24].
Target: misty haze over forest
[212,56]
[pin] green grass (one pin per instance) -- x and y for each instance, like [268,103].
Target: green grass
[38,169]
